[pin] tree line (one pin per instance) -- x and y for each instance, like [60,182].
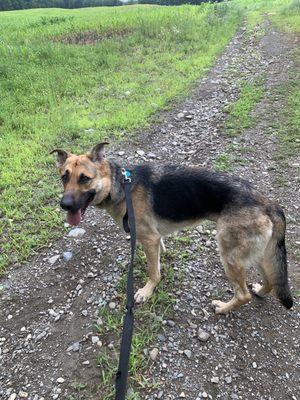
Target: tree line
[6,5]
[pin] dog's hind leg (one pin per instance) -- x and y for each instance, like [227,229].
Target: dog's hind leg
[237,275]
[162,246]
[151,246]
[261,290]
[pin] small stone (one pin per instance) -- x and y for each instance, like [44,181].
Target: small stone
[84,313]
[67,255]
[76,232]
[112,305]
[121,153]
[60,380]
[86,362]
[180,115]
[160,394]
[204,395]
[188,353]
[254,365]
[182,395]
[52,260]
[151,155]
[23,329]
[189,116]
[13,396]
[215,379]
[153,354]
[203,335]
[95,339]
[228,379]
[171,323]
[23,394]
[40,336]
[140,153]
[74,347]
[9,317]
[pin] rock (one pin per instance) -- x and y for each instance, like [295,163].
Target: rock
[151,155]
[60,380]
[23,394]
[204,395]
[95,339]
[189,116]
[121,153]
[228,379]
[254,365]
[140,153]
[74,347]
[40,336]
[170,323]
[182,395]
[215,379]
[52,260]
[203,335]
[67,255]
[112,305]
[13,396]
[188,353]
[180,115]
[153,354]
[76,232]
[84,313]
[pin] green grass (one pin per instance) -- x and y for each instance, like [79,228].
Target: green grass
[289,127]
[72,96]
[240,115]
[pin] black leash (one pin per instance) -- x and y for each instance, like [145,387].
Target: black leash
[129,226]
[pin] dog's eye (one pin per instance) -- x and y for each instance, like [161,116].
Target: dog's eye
[65,177]
[84,179]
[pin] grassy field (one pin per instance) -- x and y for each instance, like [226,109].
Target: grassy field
[70,78]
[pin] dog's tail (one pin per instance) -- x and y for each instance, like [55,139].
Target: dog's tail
[276,255]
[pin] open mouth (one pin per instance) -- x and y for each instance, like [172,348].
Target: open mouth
[74,218]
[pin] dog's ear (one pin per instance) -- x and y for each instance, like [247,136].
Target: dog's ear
[62,155]
[97,154]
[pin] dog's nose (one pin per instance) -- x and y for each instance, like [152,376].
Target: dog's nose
[68,203]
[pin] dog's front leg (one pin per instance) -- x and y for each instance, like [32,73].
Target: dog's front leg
[151,247]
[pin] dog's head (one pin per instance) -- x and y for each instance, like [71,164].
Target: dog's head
[86,180]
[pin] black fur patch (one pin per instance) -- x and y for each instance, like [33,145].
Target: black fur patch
[181,193]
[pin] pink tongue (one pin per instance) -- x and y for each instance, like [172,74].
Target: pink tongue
[74,219]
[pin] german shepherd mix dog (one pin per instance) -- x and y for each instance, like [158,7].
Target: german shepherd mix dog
[251,228]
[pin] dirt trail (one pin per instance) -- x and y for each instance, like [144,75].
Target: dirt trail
[48,309]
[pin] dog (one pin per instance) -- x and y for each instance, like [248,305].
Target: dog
[166,198]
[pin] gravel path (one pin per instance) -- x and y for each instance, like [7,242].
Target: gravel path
[48,309]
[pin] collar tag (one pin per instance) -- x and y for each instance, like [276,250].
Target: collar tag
[126,174]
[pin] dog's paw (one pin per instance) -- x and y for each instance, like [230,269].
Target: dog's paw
[220,307]
[257,289]
[143,294]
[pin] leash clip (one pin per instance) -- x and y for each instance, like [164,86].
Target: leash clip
[126,174]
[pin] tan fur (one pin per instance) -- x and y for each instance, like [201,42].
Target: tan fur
[245,237]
